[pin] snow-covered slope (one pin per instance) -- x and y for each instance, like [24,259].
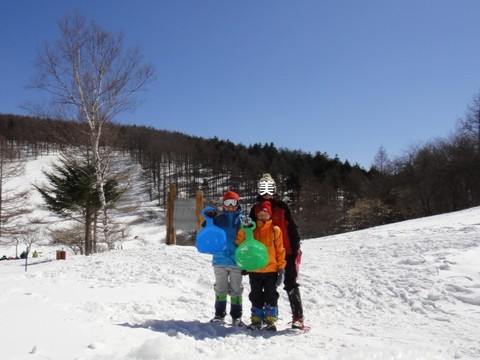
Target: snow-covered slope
[409,290]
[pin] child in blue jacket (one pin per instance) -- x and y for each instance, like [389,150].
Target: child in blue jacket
[228,276]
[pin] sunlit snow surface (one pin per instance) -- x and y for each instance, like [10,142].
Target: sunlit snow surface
[409,290]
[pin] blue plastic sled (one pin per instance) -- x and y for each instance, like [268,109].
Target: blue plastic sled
[211,239]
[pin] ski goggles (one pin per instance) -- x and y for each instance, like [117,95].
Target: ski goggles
[266,188]
[230,202]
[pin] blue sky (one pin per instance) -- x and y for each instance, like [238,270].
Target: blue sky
[342,77]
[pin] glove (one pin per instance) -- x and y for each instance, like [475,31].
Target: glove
[298,257]
[210,213]
[246,221]
[280,277]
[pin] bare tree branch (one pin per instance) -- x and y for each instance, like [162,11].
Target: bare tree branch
[91,77]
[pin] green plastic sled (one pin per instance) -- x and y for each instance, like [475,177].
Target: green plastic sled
[251,255]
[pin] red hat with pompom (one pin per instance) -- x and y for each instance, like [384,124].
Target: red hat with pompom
[231,195]
[264,206]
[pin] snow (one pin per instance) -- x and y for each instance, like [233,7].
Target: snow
[408,290]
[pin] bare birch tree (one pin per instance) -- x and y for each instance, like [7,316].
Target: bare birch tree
[90,77]
[12,200]
[381,161]
[470,125]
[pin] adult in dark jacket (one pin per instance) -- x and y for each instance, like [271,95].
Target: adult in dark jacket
[283,218]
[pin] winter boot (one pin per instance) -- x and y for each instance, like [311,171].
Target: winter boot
[236,310]
[218,319]
[271,315]
[237,322]
[220,308]
[236,307]
[256,323]
[256,318]
[297,323]
[271,327]
[297,308]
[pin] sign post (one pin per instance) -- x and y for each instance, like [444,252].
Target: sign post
[172,192]
[184,214]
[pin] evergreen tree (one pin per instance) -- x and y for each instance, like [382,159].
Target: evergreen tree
[73,194]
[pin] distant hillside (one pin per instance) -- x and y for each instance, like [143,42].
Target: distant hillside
[326,195]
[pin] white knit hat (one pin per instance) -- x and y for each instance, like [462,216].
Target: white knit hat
[266,185]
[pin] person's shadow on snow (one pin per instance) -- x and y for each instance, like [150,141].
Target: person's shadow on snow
[196,329]
[201,330]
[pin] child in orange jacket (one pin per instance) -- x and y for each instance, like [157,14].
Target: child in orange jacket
[263,282]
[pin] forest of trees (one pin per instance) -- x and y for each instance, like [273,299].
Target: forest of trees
[327,196]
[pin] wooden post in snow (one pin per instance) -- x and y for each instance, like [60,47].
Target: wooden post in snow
[172,192]
[199,208]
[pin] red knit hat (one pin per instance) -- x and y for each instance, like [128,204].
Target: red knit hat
[230,195]
[264,206]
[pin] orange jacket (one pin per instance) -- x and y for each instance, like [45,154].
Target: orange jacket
[270,236]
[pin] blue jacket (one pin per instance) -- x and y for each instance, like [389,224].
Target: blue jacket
[230,222]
